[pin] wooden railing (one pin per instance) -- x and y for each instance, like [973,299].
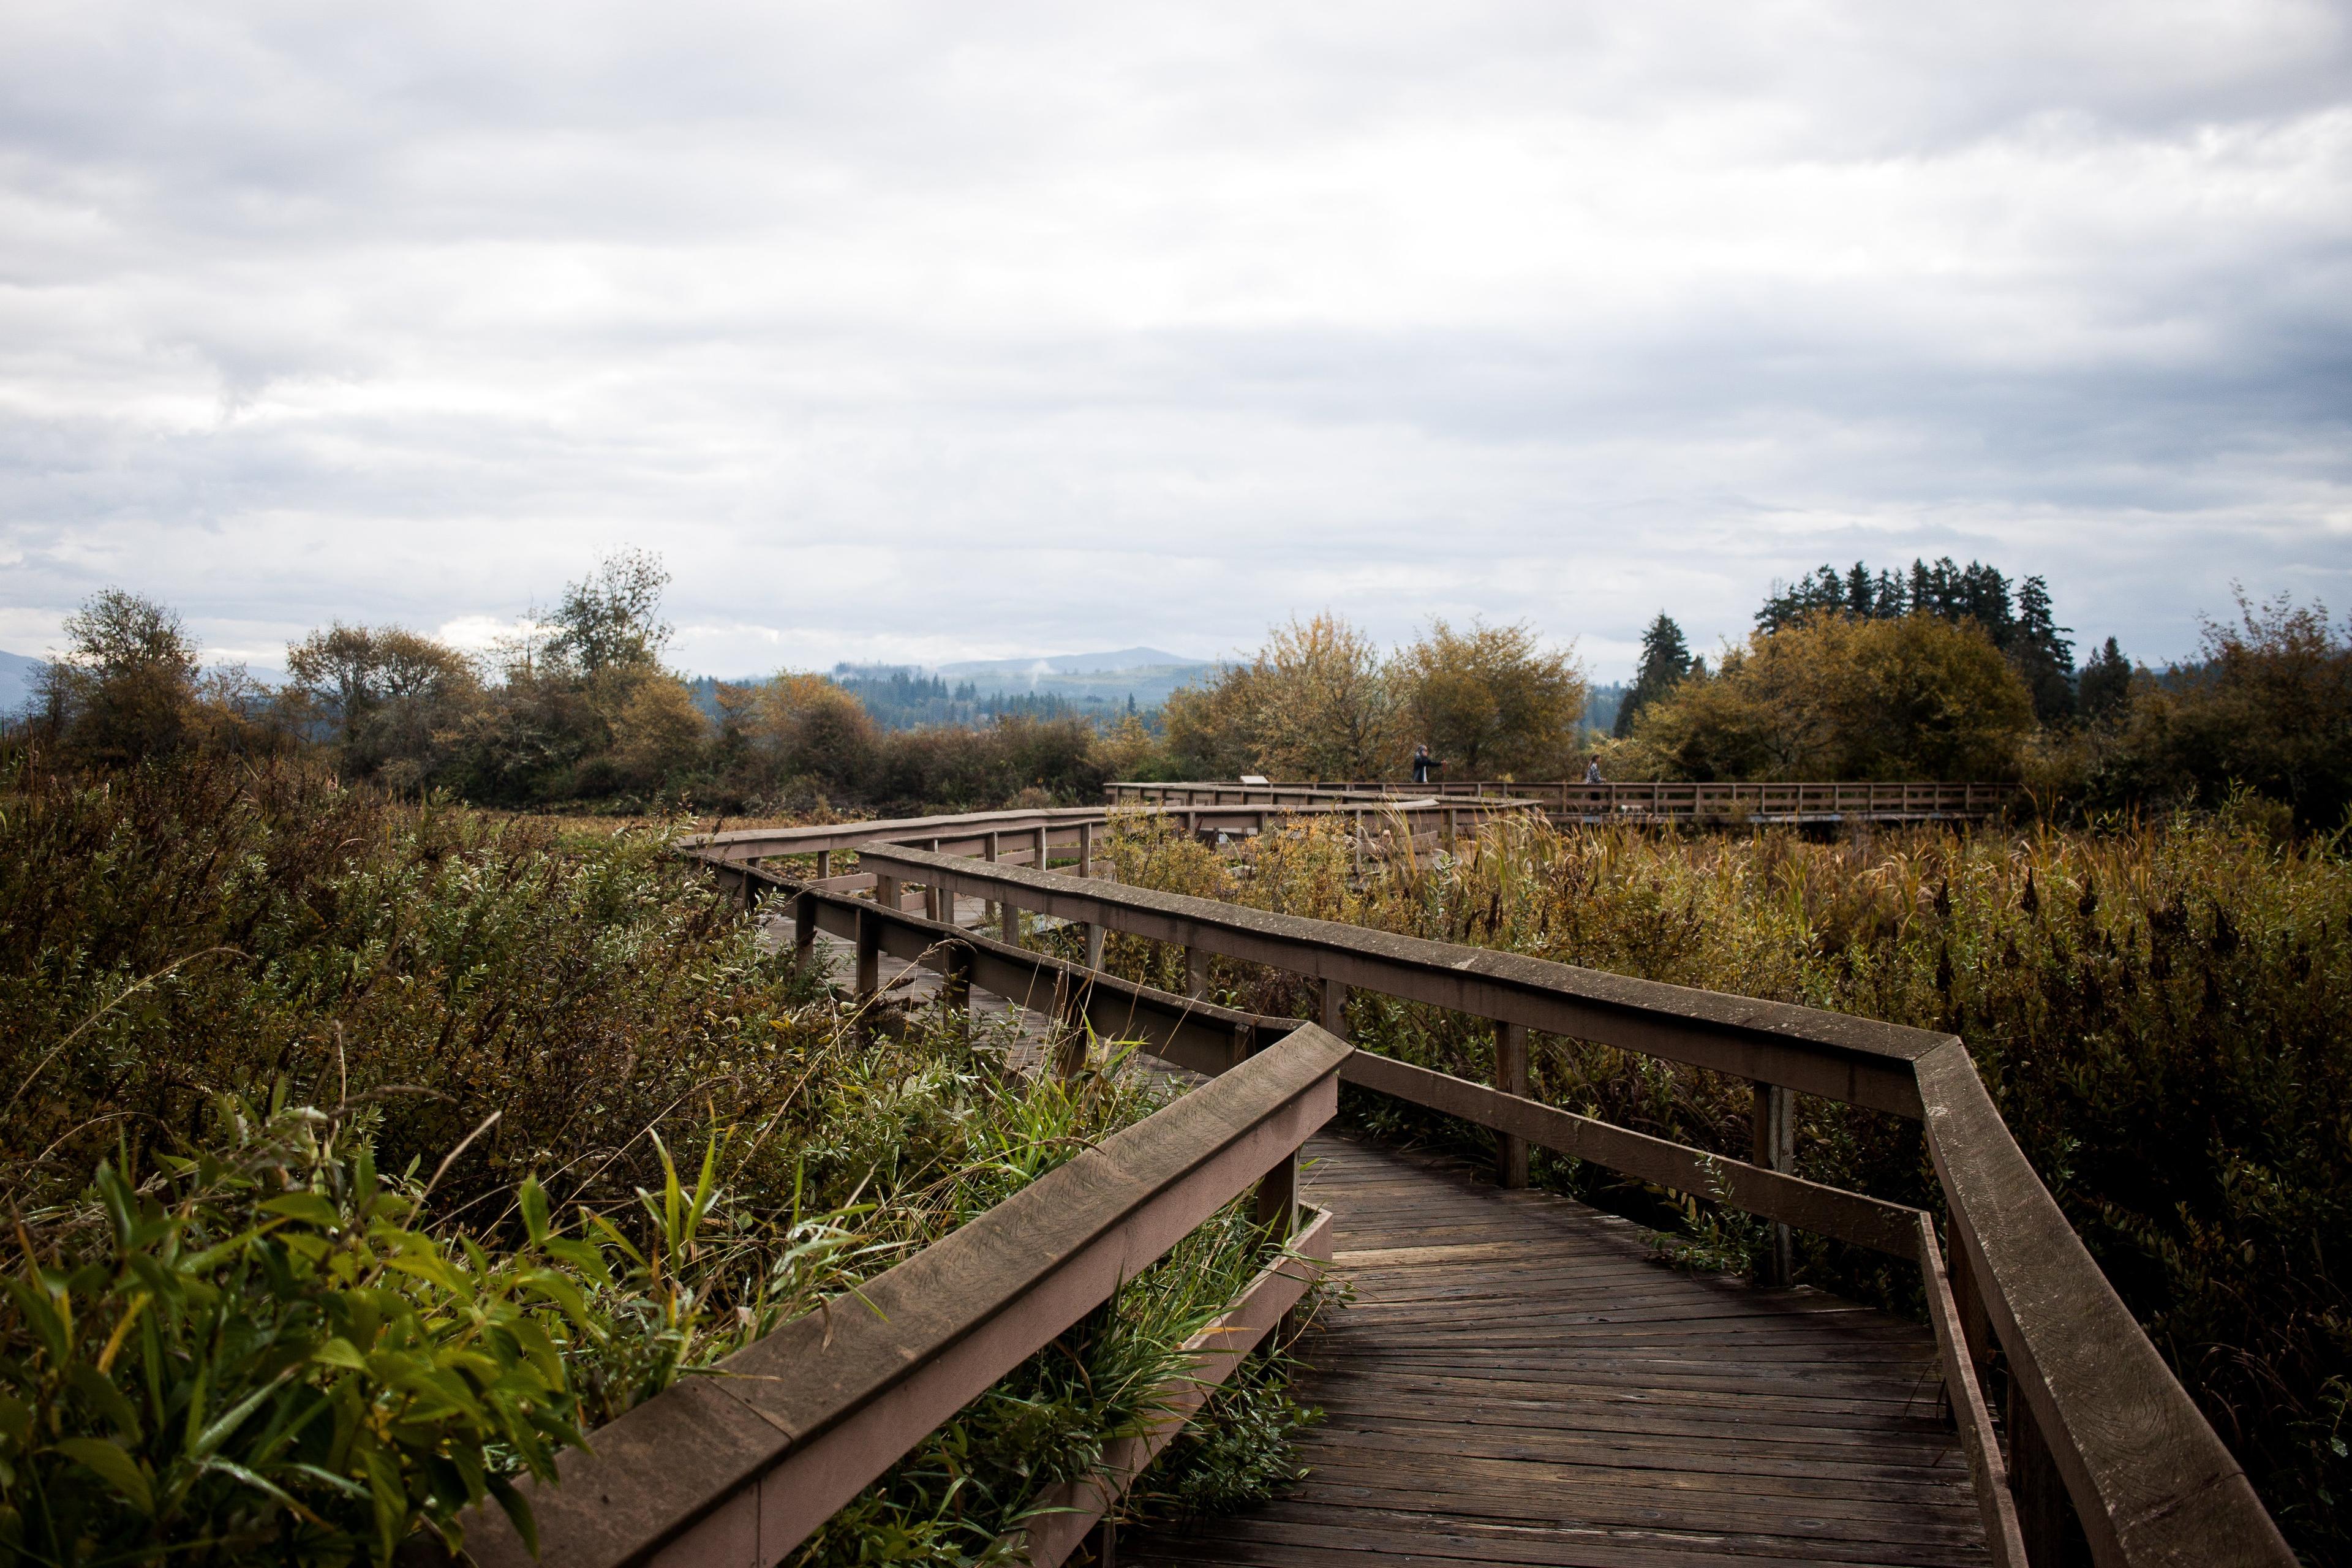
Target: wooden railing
[740,1464]
[1068,834]
[2103,1440]
[1611,802]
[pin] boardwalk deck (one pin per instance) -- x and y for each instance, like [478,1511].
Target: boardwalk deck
[1520,1381]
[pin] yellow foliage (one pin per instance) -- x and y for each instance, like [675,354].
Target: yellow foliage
[1315,703]
[1837,697]
[1491,703]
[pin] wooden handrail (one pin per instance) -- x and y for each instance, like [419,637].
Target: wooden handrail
[1071,827]
[2148,1478]
[740,1465]
[1858,1060]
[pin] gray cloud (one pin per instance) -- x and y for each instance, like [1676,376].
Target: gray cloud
[934,331]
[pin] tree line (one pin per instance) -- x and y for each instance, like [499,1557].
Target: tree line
[1939,672]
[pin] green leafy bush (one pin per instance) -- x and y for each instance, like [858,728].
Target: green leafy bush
[452,1237]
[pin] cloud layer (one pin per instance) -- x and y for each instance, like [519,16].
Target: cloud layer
[943,332]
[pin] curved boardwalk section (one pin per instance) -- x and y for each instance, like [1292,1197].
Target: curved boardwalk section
[1520,1381]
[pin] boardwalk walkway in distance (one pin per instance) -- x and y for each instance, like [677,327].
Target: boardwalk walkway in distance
[1518,1381]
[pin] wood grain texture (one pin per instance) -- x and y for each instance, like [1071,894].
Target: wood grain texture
[1520,1381]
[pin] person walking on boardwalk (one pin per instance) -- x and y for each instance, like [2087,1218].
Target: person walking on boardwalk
[1592,772]
[1422,763]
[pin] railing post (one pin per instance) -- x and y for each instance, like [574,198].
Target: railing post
[1085,848]
[2045,1515]
[1335,1008]
[870,953]
[1044,852]
[933,908]
[804,927]
[823,864]
[1773,1126]
[1278,1195]
[888,895]
[1069,1016]
[1196,972]
[1511,1078]
[955,985]
[989,844]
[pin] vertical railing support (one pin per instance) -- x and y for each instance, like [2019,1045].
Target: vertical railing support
[1196,972]
[1069,1016]
[989,845]
[870,953]
[1095,946]
[2045,1515]
[1278,1196]
[955,985]
[888,895]
[1335,1008]
[1045,850]
[1511,1078]
[804,927]
[823,864]
[1773,1127]
[1085,848]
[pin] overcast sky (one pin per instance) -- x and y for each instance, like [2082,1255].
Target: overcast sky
[956,330]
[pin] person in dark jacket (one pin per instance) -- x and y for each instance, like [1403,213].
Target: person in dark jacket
[1422,763]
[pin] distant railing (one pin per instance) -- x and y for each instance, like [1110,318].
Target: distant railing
[1660,801]
[2104,1441]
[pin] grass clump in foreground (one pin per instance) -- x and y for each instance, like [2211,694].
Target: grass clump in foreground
[360,1157]
[2156,1008]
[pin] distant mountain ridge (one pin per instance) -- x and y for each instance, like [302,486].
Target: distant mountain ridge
[16,674]
[1117,662]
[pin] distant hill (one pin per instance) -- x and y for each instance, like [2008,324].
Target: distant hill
[1091,682]
[1126,659]
[1098,685]
[16,673]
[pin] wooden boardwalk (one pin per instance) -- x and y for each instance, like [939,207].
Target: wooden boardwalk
[1519,1380]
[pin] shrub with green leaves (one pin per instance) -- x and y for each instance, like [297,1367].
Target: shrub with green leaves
[340,1140]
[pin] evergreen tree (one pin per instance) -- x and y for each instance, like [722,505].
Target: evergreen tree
[2037,644]
[1665,662]
[2103,688]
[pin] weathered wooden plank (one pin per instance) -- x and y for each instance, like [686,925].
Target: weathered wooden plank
[1968,1411]
[1773,1430]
